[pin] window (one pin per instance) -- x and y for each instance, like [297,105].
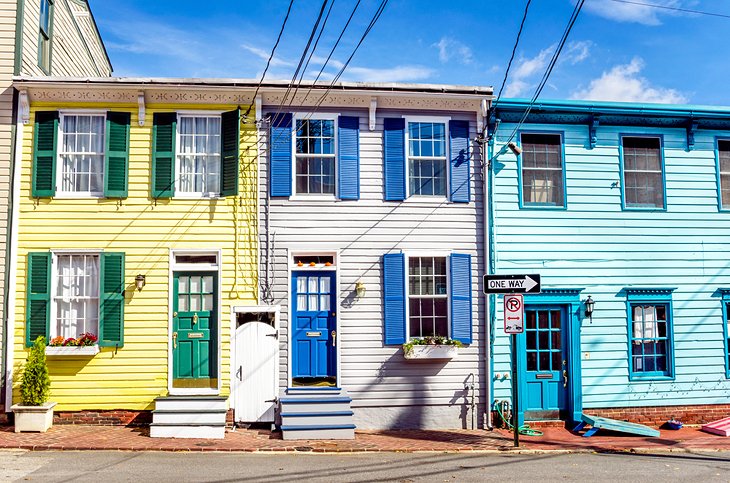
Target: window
[428,298]
[427,159]
[651,351]
[542,170]
[44,36]
[199,154]
[315,156]
[82,154]
[76,295]
[643,172]
[723,161]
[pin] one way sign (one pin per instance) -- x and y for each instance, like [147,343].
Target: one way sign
[512,283]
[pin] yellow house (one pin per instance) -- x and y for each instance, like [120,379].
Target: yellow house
[136,222]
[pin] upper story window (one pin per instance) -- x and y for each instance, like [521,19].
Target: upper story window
[44,36]
[76,295]
[428,314]
[542,170]
[199,154]
[315,156]
[81,154]
[723,162]
[427,165]
[643,172]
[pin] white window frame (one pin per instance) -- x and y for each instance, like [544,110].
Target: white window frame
[306,116]
[52,332]
[427,254]
[177,175]
[432,119]
[59,160]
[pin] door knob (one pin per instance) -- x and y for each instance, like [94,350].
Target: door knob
[174,314]
[195,319]
[334,338]
[565,378]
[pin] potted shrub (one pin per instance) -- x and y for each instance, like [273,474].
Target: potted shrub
[34,413]
[431,349]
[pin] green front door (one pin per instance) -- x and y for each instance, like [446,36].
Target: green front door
[195,330]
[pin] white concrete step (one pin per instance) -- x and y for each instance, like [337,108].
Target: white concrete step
[337,418]
[189,417]
[163,430]
[191,403]
[332,432]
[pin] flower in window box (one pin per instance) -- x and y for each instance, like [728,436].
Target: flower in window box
[57,341]
[70,342]
[86,339]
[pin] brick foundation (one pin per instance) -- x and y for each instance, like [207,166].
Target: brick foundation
[118,417]
[650,416]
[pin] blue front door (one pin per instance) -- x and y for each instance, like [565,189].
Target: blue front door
[545,363]
[314,335]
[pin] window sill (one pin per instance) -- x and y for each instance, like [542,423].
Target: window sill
[440,200]
[650,377]
[431,353]
[197,196]
[70,351]
[78,196]
[644,208]
[304,197]
[542,206]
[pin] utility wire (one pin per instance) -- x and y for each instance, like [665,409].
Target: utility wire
[514,49]
[268,62]
[676,9]
[316,43]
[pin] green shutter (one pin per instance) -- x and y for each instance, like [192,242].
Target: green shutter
[38,296]
[116,160]
[230,135]
[163,154]
[44,153]
[111,310]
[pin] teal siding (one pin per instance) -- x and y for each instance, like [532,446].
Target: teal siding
[596,245]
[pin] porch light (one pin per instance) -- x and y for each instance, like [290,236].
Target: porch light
[589,307]
[360,289]
[139,281]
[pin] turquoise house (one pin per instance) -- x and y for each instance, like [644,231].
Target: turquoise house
[626,206]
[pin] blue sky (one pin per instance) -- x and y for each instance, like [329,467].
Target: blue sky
[616,51]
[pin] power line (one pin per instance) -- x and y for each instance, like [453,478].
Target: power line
[268,62]
[514,49]
[676,9]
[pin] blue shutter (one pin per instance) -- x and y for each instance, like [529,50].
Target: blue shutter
[394,298]
[349,158]
[394,159]
[281,160]
[459,166]
[460,297]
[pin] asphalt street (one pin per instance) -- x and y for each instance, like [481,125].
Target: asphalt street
[96,466]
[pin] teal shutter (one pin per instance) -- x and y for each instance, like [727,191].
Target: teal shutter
[394,298]
[230,136]
[44,153]
[38,296]
[280,136]
[163,154]
[460,297]
[459,191]
[348,152]
[394,159]
[116,159]
[111,309]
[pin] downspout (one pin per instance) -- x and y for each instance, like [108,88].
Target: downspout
[491,263]
[12,255]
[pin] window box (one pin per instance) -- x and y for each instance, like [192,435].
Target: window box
[84,351]
[418,353]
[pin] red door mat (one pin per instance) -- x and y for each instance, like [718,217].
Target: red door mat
[721,427]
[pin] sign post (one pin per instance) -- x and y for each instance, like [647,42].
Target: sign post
[513,286]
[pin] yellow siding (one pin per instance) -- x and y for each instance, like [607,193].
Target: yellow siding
[145,230]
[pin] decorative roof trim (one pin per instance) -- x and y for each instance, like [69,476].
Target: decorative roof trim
[648,291]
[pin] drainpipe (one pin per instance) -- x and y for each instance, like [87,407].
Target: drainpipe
[491,262]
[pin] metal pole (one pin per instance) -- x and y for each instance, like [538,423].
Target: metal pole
[515,403]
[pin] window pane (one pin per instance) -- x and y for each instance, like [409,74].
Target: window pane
[643,182]
[194,303]
[324,302]
[208,302]
[301,302]
[195,284]
[82,153]
[182,303]
[199,154]
[76,296]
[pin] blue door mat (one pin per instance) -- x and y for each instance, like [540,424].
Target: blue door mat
[613,425]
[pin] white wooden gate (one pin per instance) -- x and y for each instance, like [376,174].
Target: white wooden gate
[255,368]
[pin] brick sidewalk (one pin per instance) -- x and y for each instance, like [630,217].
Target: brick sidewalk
[78,437]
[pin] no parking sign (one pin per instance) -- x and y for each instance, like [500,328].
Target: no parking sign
[514,314]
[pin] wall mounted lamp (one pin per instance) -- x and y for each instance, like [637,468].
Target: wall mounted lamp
[516,150]
[590,303]
[360,289]
[139,281]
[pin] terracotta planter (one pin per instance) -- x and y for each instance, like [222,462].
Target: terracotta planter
[33,418]
[426,353]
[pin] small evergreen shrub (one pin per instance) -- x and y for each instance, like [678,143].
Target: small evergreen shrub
[35,383]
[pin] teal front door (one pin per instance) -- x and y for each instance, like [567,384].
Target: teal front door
[546,364]
[195,330]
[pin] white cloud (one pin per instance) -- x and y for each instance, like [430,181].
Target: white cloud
[631,12]
[623,83]
[525,74]
[453,49]
[399,73]
[264,55]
